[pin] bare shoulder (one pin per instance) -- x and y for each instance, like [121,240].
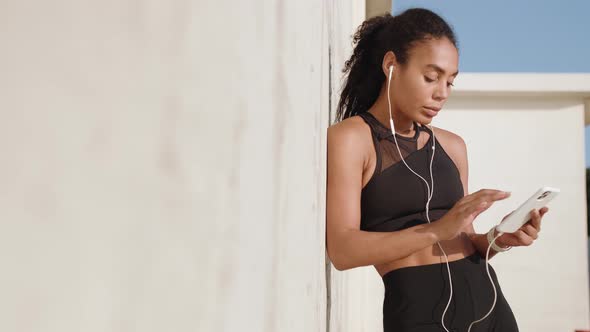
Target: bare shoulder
[351,134]
[350,126]
[449,139]
[456,149]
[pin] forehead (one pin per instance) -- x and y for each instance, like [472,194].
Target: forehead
[432,53]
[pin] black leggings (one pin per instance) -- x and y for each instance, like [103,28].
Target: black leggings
[416,296]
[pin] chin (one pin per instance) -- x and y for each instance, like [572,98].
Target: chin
[425,120]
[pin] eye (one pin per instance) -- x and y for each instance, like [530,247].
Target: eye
[428,79]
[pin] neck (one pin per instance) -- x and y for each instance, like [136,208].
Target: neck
[380,109]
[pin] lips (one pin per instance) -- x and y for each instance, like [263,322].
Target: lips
[432,111]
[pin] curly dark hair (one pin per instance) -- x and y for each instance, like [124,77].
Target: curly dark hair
[375,37]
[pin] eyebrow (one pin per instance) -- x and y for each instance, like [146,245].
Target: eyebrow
[439,69]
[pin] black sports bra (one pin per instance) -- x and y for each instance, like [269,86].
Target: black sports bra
[395,198]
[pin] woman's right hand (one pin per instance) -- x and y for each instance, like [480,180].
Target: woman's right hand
[465,211]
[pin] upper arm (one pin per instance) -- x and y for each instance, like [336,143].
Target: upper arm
[345,163]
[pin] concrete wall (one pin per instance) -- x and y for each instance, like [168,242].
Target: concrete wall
[163,165]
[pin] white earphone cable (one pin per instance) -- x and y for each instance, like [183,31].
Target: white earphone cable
[430,194]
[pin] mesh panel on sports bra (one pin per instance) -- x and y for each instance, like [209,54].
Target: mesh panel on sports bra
[385,146]
[394,198]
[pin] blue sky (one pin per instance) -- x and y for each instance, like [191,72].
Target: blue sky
[517,36]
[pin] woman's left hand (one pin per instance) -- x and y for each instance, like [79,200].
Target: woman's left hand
[526,234]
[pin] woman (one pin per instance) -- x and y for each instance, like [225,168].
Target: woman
[383,207]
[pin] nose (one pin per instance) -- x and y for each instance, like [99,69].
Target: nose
[442,91]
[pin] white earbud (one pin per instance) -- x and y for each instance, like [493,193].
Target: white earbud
[390,70]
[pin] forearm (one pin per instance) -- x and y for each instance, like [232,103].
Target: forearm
[361,248]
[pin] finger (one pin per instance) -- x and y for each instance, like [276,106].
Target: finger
[478,201]
[543,210]
[489,198]
[510,239]
[535,219]
[496,196]
[523,237]
[482,193]
[530,231]
[502,195]
[491,191]
[477,207]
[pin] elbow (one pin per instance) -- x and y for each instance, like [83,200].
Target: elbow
[339,266]
[337,262]
[338,252]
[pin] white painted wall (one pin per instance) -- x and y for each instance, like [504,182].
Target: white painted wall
[524,131]
[163,165]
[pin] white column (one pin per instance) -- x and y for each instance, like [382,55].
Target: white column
[356,295]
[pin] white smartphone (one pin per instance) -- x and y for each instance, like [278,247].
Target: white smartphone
[522,214]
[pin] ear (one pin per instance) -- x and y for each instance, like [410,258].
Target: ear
[389,60]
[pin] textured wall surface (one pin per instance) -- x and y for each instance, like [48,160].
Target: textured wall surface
[163,165]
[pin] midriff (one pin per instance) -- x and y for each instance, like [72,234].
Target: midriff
[456,248]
